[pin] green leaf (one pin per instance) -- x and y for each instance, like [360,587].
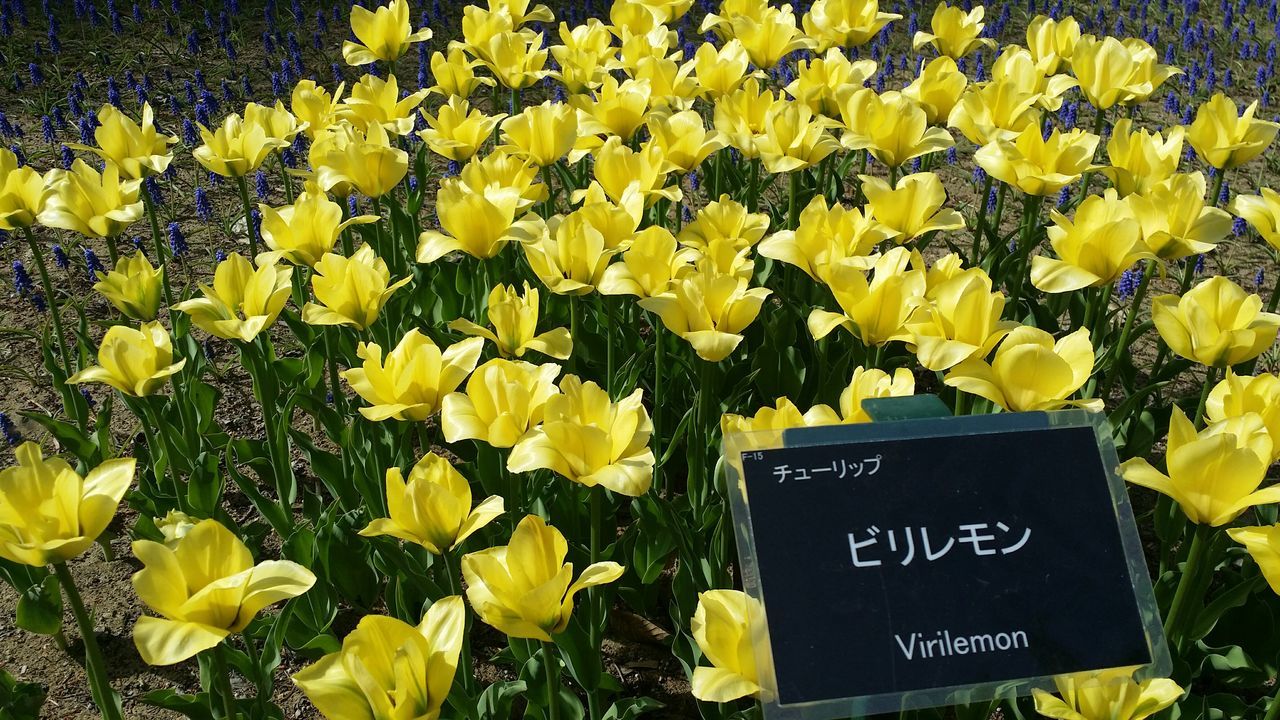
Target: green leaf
[40,607]
[19,700]
[495,701]
[630,708]
[581,658]
[195,707]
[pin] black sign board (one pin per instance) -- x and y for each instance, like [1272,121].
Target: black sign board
[902,563]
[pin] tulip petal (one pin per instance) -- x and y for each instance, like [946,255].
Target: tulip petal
[556,343]
[482,515]
[712,684]
[270,582]
[165,642]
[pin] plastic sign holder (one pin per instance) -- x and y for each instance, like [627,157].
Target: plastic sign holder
[924,560]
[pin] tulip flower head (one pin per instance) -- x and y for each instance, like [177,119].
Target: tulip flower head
[1176,221]
[589,439]
[793,138]
[137,149]
[618,169]
[1216,323]
[1094,248]
[782,415]
[741,116]
[236,148]
[433,507]
[388,668]
[726,626]
[1226,140]
[996,110]
[1052,42]
[479,223]
[133,287]
[1108,695]
[515,59]
[411,381]
[875,311]
[1039,165]
[890,126]
[648,266]
[724,221]
[525,589]
[955,33]
[305,231]
[937,89]
[845,23]
[514,319]
[350,291]
[243,301]
[22,192]
[315,108]
[347,159]
[374,101]
[455,74]
[769,37]
[912,207]
[683,140]
[960,322]
[542,134]
[503,401]
[1016,66]
[1030,371]
[1215,474]
[276,121]
[819,81]
[1261,211]
[870,383]
[382,34]
[1238,395]
[135,362]
[709,308]
[1263,544]
[93,204]
[1141,159]
[1117,72]
[204,588]
[49,513]
[720,71]
[826,237]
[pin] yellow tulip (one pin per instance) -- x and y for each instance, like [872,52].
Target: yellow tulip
[476,223]
[771,37]
[315,108]
[1107,695]
[236,148]
[49,513]
[648,266]
[305,231]
[1094,248]
[709,308]
[996,110]
[133,287]
[720,71]
[724,221]
[174,526]
[616,222]
[1030,371]
[349,159]
[504,400]
[275,120]
[938,88]
[961,321]
[818,81]
[730,9]
[793,138]
[1226,140]
[620,170]
[845,23]
[204,588]
[542,134]
[782,416]
[1140,159]
[350,291]
[615,109]
[826,238]
[1261,211]
[410,382]
[875,311]
[136,148]
[671,83]
[891,126]
[520,12]
[242,301]
[1114,72]
[912,207]
[525,589]
[499,169]
[479,26]
[1238,395]
[514,318]
[868,383]
[667,11]
[22,192]
[1016,65]
[454,74]
[1215,474]
[1037,165]
[570,254]
[633,18]
[585,57]
[741,115]
[96,205]
[516,59]
[1216,323]
[457,131]
[1176,221]
[726,626]
[433,508]
[388,668]
[135,362]
[1263,544]
[374,101]
[384,34]
[682,140]
[1051,42]
[954,31]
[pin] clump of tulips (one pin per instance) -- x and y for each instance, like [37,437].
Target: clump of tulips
[508,410]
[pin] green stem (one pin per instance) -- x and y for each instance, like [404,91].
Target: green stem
[1099,122]
[598,613]
[284,175]
[548,205]
[55,313]
[608,355]
[552,663]
[573,328]
[753,190]
[993,228]
[1273,710]
[793,201]
[515,101]
[222,682]
[243,188]
[1178,610]
[659,351]
[157,241]
[157,440]
[981,225]
[331,353]
[95,667]
[1030,221]
[1210,379]
[1134,306]
[464,661]
[1219,178]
